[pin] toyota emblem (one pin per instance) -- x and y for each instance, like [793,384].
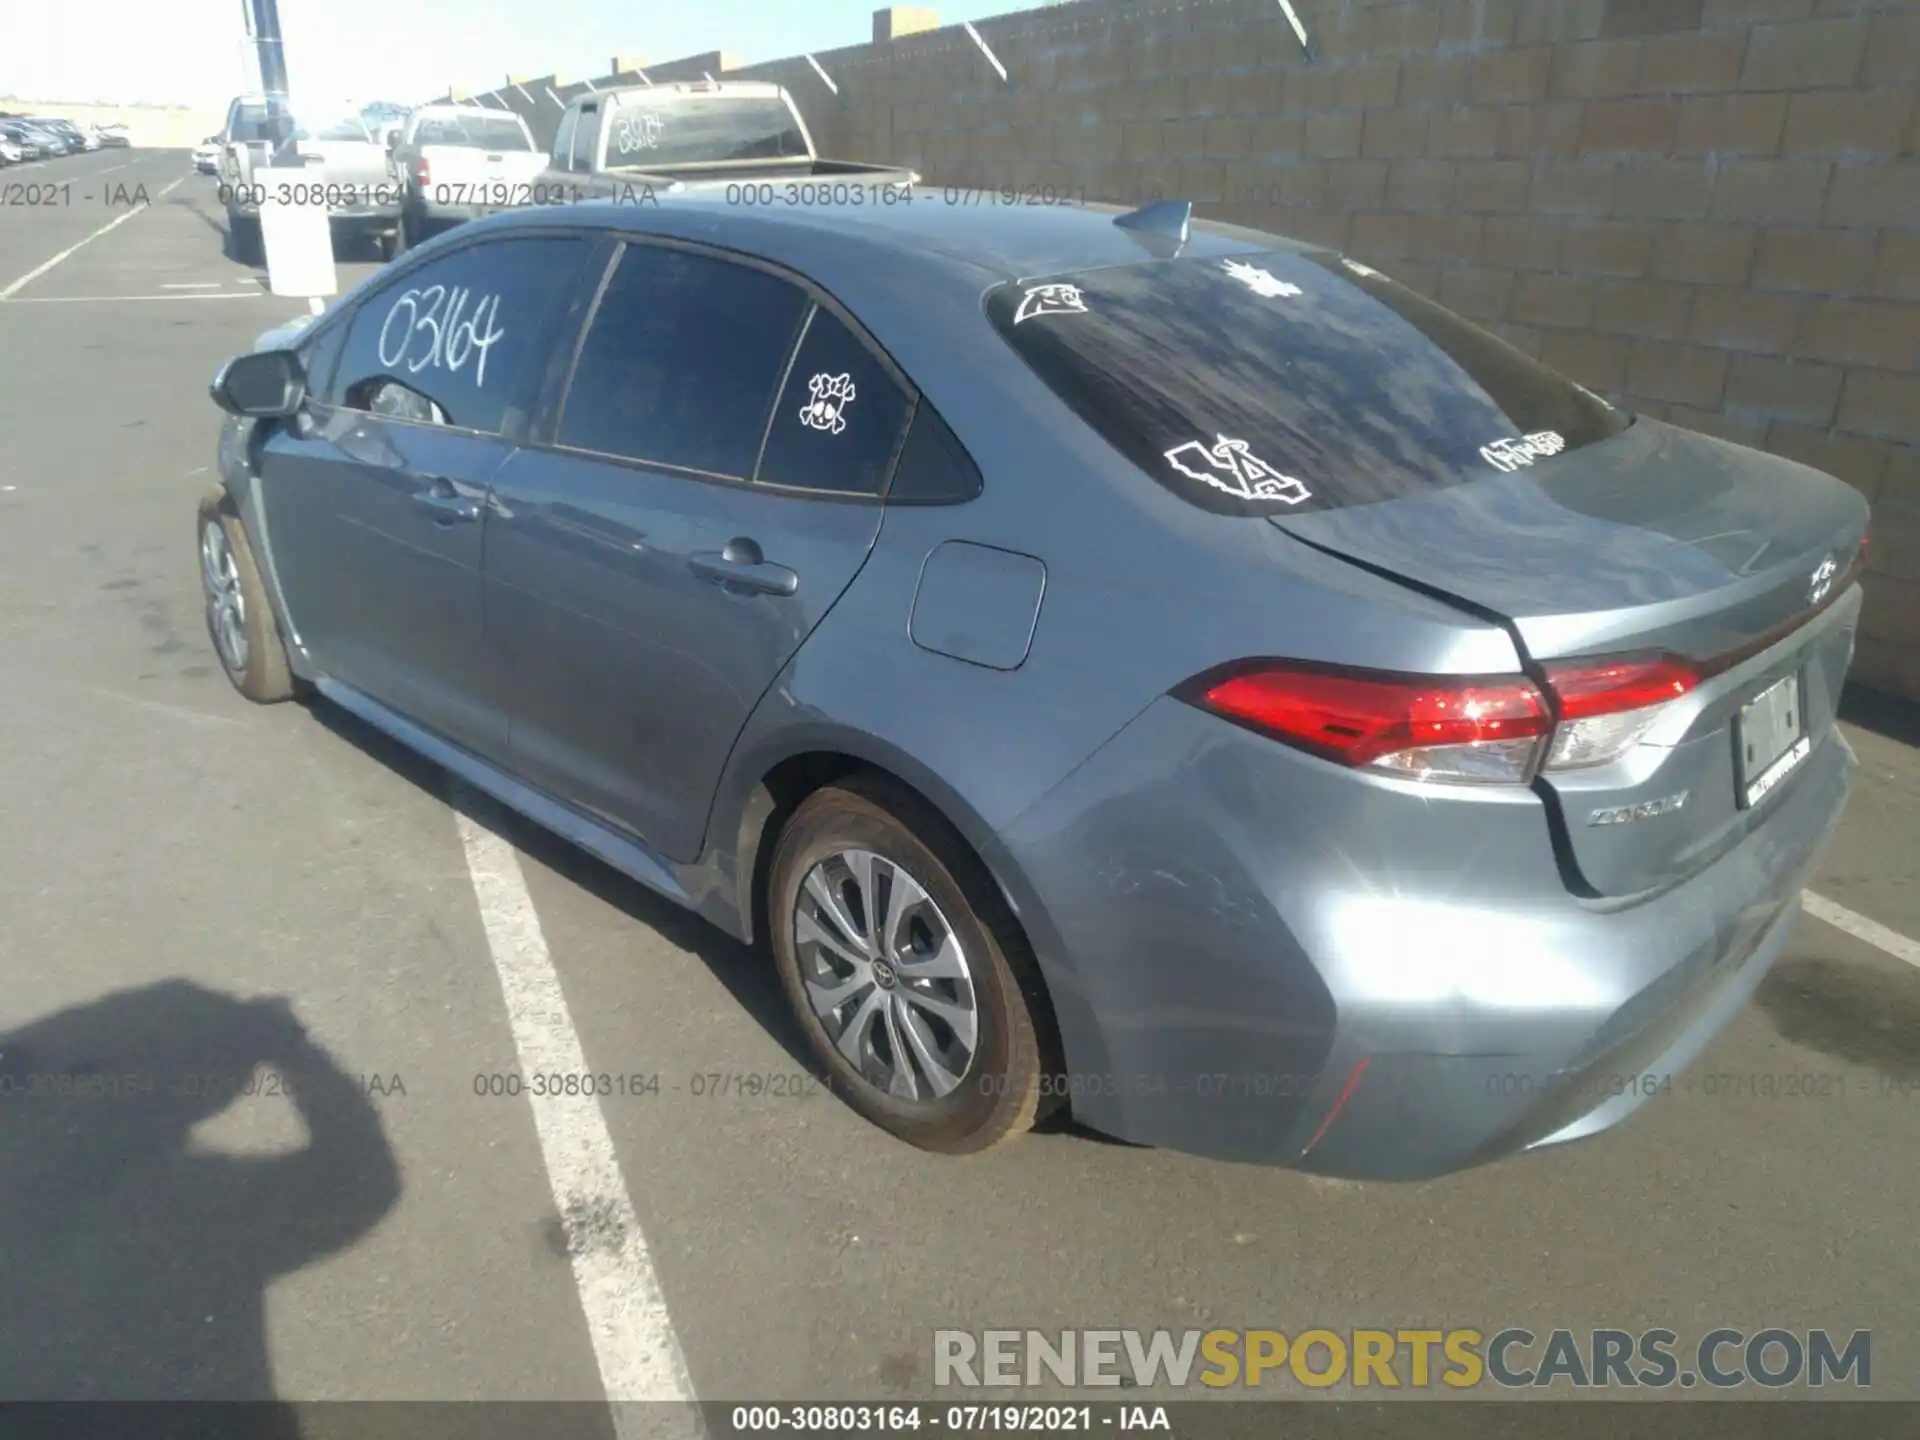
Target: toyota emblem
[1822,581]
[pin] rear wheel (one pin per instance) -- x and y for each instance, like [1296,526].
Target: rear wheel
[914,988]
[243,234]
[239,620]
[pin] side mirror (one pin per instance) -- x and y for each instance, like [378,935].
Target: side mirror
[264,384]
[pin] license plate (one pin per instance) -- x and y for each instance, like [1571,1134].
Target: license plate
[1770,739]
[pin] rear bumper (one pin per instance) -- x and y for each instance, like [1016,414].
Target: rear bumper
[1261,957]
[378,208]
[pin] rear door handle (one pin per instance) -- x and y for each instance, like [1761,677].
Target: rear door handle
[448,500]
[742,566]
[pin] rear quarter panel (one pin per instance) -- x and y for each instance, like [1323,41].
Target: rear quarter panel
[1142,592]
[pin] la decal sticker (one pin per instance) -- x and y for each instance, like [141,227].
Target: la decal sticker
[1231,465]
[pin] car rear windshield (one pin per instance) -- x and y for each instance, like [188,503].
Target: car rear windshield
[348,130]
[252,123]
[479,132]
[644,133]
[1286,381]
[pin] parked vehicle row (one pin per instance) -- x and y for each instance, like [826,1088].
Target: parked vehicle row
[25,138]
[1106,659]
[403,183]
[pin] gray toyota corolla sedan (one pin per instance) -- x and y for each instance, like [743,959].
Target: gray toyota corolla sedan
[1110,660]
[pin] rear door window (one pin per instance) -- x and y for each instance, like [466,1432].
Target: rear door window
[840,417]
[469,332]
[645,130]
[586,137]
[1290,381]
[682,361]
[563,141]
[473,132]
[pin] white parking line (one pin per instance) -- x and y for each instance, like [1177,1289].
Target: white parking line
[193,285]
[633,1340]
[1861,928]
[34,274]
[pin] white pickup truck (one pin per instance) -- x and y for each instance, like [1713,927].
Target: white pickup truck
[744,137]
[269,155]
[459,162]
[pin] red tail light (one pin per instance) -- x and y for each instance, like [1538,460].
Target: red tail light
[1606,706]
[422,172]
[1439,727]
[1497,729]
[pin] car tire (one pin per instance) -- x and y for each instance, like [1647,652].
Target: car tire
[240,620]
[387,244]
[243,232]
[918,1025]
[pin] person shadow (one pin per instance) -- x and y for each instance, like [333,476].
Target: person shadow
[134,1258]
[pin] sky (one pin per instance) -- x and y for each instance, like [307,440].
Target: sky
[190,52]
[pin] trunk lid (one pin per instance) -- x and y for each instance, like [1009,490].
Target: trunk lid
[466,165]
[359,164]
[1657,540]
[1302,389]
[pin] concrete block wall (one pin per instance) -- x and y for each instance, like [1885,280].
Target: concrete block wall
[1707,209]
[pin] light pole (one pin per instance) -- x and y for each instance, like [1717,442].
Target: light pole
[262,18]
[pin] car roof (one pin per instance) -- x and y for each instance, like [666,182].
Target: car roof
[949,228]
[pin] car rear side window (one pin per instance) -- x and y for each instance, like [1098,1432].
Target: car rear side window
[934,467]
[469,331]
[682,361]
[586,137]
[840,417]
[474,132]
[646,129]
[562,153]
[1286,381]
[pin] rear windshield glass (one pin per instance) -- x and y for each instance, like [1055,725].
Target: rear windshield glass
[1288,381]
[643,133]
[337,131]
[251,123]
[481,132]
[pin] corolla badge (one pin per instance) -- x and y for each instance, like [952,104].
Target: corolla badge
[1645,810]
[1821,581]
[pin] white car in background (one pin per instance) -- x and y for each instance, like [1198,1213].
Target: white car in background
[206,156]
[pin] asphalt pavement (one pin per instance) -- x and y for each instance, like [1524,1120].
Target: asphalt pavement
[169,853]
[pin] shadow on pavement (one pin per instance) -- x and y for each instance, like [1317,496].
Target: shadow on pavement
[1870,1017]
[746,971]
[134,1263]
[1884,714]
